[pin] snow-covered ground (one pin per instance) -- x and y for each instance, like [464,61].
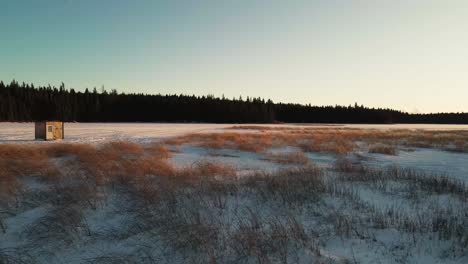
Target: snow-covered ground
[350,219]
[433,161]
[98,132]
[142,132]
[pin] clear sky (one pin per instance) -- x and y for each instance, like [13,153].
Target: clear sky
[410,55]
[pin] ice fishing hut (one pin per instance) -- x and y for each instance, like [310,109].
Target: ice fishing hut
[49,130]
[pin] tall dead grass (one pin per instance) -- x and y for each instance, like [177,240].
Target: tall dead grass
[383,149]
[245,142]
[296,157]
[205,169]
[110,162]
[342,140]
[293,186]
[417,180]
[22,160]
[204,213]
[261,142]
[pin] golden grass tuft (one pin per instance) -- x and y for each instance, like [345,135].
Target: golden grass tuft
[121,148]
[157,150]
[22,160]
[103,164]
[125,161]
[383,149]
[332,140]
[347,166]
[65,149]
[206,168]
[251,142]
[461,146]
[296,157]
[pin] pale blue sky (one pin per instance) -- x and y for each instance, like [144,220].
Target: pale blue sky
[410,55]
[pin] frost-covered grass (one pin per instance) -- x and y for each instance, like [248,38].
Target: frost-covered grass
[231,198]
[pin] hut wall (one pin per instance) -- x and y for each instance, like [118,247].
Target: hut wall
[40,130]
[58,129]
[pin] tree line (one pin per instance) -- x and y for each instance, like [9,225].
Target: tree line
[26,102]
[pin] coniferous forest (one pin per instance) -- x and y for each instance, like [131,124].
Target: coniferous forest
[26,102]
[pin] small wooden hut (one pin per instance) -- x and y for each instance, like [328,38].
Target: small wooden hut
[49,130]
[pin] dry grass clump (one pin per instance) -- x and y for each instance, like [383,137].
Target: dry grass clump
[321,141]
[332,140]
[270,240]
[416,180]
[9,256]
[436,139]
[66,149]
[121,148]
[291,186]
[341,140]
[190,231]
[198,222]
[244,142]
[338,146]
[460,146]
[239,141]
[22,160]
[444,223]
[296,157]
[317,140]
[113,161]
[207,168]
[161,179]
[383,149]
[110,162]
[125,161]
[347,166]
[157,150]
[63,223]
[439,222]
[432,183]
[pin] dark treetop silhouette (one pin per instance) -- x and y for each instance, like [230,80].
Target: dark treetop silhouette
[25,102]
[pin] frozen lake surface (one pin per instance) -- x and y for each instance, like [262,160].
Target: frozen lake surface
[142,132]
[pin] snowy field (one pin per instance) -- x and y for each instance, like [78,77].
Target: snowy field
[215,193]
[99,132]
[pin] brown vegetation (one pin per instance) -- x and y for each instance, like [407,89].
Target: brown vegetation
[383,149]
[339,141]
[332,140]
[205,213]
[296,157]
[22,160]
[106,163]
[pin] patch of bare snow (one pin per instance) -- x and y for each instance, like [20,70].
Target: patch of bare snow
[433,161]
[241,160]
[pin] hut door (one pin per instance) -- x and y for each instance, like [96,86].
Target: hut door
[50,132]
